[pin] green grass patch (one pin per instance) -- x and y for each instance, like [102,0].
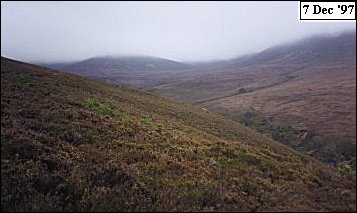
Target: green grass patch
[145,120]
[345,168]
[107,109]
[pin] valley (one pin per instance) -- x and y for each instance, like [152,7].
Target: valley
[308,84]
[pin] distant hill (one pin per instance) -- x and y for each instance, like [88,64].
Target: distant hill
[74,144]
[318,48]
[130,70]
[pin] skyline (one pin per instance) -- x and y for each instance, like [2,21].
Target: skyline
[182,31]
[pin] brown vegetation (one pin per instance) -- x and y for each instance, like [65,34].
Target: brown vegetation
[72,144]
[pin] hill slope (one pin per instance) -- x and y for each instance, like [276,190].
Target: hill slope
[318,48]
[130,70]
[69,143]
[302,94]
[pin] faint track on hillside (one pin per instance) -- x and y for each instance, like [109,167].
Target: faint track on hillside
[287,75]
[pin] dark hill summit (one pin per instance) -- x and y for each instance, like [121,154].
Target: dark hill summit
[129,70]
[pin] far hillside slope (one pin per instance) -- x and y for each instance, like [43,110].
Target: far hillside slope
[302,94]
[314,49]
[73,144]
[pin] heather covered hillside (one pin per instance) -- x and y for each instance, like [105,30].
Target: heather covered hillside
[74,144]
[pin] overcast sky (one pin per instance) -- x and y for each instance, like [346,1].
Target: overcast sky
[186,31]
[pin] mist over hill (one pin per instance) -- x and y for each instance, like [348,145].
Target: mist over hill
[318,48]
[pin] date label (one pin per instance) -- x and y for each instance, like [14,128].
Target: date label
[327,11]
